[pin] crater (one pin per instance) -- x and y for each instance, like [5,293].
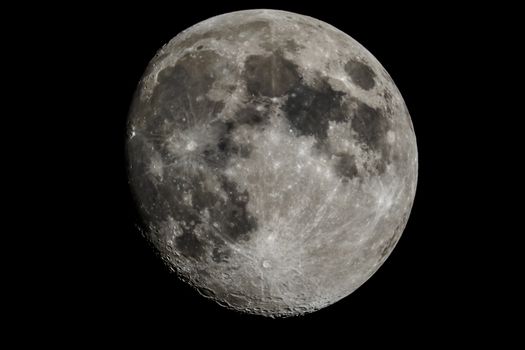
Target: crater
[361,74]
[220,254]
[292,45]
[252,27]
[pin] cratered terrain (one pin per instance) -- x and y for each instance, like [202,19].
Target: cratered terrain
[273,161]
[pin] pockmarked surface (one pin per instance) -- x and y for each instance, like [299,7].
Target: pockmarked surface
[273,161]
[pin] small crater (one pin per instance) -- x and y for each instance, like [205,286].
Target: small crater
[361,74]
[219,255]
[292,46]
[253,26]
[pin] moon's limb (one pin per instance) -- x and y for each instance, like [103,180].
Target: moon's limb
[273,160]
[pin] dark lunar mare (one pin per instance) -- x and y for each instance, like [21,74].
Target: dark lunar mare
[309,108]
[371,127]
[179,102]
[361,74]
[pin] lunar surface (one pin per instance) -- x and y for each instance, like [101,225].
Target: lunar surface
[273,161]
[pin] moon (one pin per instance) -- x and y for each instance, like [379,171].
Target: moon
[272,159]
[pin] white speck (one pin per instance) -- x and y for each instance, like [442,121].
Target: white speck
[191,145]
[132,134]
[266,264]
[390,136]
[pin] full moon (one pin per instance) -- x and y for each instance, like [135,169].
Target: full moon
[272,159]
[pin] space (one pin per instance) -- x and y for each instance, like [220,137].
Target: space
[113,277]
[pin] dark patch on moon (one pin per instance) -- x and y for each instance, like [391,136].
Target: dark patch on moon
[231,148]
[218,154]
[189,244]
[370,126]
[249,115]
[270,76]
[228,216]
[389,245]
[309,109]
[231,215]
[292,45]
[361,74]
[219,255]
[196,37]
[346,166]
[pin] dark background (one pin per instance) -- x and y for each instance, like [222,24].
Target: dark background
[103,277]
